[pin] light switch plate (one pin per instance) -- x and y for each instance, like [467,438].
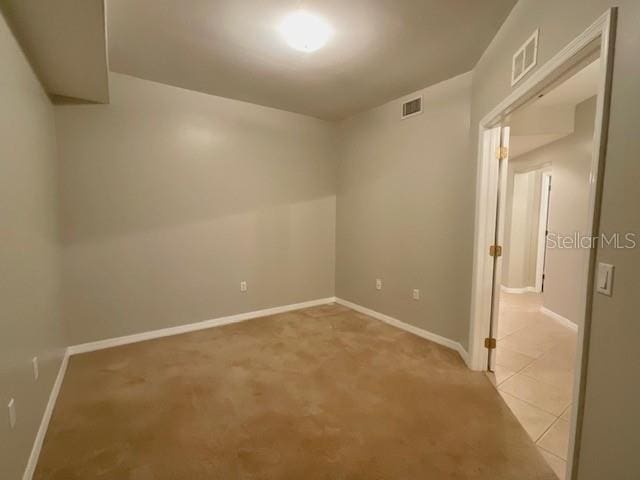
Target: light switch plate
[12,412]
[36,369]
[604,281]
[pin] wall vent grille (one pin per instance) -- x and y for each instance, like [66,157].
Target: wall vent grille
[525,58]
[412,107]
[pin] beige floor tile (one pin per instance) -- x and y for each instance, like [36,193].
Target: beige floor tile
[558,357]
[543,353]
[537,339]
[564,352]
[541,370]
[523,342]
[514,361]
[558,465]
[550,398]
[547,324]
[499,375]
[520,302]
[505,329]
[556,439]
[492,378]
[534,420]
[502,373]
[511,322]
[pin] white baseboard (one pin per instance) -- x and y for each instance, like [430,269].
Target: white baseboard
[46,417]
[518,289]
[447,342]
[559,318]
[191,327]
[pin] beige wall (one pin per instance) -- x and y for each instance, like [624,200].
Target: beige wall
[611,424]
[570,160]
[29,254]
[402,214]
[170,198]
[66,43]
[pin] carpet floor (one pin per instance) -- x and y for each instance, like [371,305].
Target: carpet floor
[320,393]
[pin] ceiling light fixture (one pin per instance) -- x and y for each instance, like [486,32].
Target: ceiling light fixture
[304,31]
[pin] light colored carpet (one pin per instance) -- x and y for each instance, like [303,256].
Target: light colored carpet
[321,393]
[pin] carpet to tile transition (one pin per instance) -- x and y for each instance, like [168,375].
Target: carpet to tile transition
[320,393]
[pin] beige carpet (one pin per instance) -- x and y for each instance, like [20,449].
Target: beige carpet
[321,393]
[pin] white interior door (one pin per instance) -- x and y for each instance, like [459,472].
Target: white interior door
[500,137]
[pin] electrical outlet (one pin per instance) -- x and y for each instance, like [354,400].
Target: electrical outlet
[378,284]
[416,294]
[243,286]
[12,412]
[36,370]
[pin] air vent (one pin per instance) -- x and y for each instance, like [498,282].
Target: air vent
[412,107]
[525,58]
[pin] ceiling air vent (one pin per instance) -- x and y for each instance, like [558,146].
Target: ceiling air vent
[412,107]
[524,59]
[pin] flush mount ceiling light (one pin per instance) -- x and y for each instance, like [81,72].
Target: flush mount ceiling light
[304,31]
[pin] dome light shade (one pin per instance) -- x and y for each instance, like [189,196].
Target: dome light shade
[304,31]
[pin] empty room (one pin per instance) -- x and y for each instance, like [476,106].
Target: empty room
[319,239]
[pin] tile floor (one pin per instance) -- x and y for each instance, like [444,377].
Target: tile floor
[535,363]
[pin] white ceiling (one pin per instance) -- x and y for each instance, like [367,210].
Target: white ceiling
[381,49]
[551,117]
[575,90]
[521,144]
[65,43]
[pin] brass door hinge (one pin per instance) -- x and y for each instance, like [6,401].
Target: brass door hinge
[490,343]
[495,251]
[502,153]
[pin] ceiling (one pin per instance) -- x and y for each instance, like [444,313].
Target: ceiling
[380,50]
[65,43]
[551,117]
[576,89]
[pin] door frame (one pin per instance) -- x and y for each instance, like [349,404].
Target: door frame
[498,205]
[599,37]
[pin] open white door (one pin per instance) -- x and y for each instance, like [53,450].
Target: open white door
[500,138]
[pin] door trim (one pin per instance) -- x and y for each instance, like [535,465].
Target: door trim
[599,37]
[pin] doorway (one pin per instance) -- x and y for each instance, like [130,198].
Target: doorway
[593,45]
[537,324]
